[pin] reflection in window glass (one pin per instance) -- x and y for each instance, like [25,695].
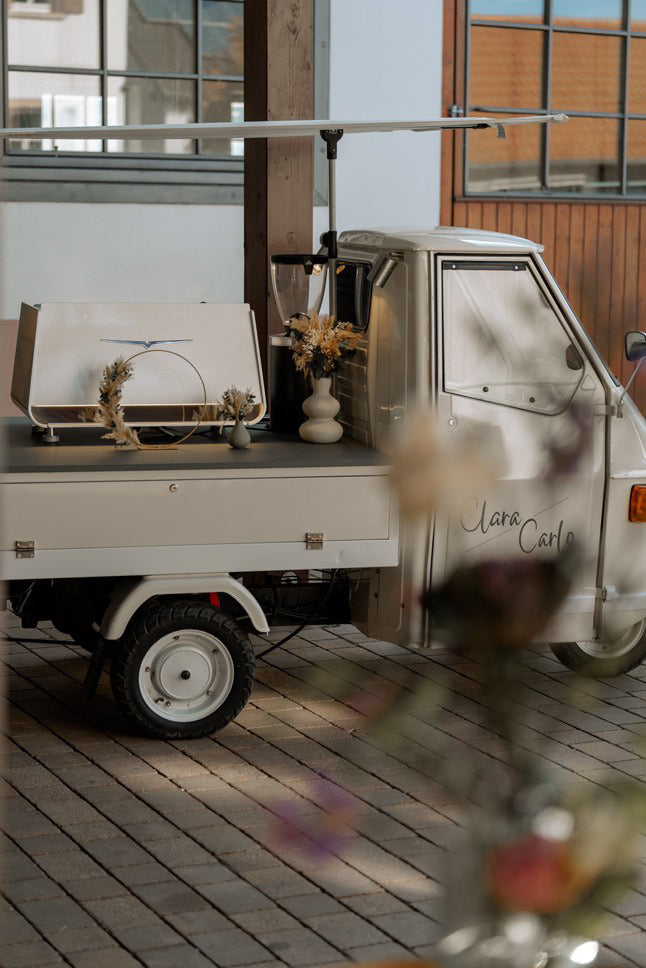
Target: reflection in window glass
[589,13]
[44,100]
[509,164]
[638,15]
[637,78]
[68,39]
[584,156]
[520,11]
[222,38]
[158,64]
[636,159]
[586,72]
[223,101]
[517,81]
[152,36]
[146,100]
[493,316]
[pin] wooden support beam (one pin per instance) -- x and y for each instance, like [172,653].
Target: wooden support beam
[278,179]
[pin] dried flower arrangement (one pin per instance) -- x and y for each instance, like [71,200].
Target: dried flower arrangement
[236,404]
[320,344]
[109,411]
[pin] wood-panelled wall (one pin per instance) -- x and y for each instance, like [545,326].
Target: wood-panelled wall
[596,250]
[598,256]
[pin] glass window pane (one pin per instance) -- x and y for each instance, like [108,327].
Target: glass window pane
[505,164]
[636,157]
[493,316]
[506,68]
[586,72]
[222,101]
[222,38]
[602,14]
[520,11]
[156,36]
[146,100]
[53,101]
[584,156]
[637,79]
[638,15]
[68,39]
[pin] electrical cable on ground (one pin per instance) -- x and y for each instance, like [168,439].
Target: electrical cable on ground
[308,621]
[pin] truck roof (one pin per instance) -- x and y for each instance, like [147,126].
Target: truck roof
[440,239]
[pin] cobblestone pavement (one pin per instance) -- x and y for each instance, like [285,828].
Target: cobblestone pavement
[123,851]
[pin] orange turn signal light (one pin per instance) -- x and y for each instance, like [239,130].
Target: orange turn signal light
[637,510]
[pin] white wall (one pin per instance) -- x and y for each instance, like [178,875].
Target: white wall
[120,253]
[385,62]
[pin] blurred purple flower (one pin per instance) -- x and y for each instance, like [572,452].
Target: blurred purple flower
[324,832]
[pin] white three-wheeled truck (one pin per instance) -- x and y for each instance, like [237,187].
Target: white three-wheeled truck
[153,556]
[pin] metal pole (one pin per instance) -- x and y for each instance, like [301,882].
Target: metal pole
[332,138]
[332,234]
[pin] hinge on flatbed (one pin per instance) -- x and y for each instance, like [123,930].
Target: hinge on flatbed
[25,549]
[314,540]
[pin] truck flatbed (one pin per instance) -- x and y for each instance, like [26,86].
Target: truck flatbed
[84,508]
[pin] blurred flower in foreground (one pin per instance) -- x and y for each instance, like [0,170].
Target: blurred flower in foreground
[323,832]
[434,469]
[494,605]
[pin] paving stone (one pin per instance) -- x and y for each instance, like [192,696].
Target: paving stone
[56,914]
[235,897]
[184,955]
[231,947]
[301,947]
[29,955]
[31,890]
[408,927]
[171,897]
[347,930]
[147,937]
[103,958]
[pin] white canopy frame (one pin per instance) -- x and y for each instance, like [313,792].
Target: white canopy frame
[330,130]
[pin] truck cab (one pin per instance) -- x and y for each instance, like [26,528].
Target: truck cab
[472,326]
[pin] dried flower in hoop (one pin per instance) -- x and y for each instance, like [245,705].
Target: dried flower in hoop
[320,344]
[109,411]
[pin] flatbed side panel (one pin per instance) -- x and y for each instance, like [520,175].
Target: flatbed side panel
[188,512]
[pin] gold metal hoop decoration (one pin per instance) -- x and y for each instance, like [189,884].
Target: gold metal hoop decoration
[175,443]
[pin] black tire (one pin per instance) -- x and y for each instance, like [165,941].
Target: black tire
[182,669]
[603,660]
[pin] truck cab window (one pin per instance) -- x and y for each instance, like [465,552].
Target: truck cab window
[492,315]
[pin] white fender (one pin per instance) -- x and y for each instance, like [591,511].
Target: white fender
[131,595]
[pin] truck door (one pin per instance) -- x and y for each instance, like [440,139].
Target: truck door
[510,376]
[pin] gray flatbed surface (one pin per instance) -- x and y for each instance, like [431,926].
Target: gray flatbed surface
[83,450]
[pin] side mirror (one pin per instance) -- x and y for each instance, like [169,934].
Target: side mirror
[635,346]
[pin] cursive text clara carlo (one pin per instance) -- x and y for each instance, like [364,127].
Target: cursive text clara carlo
[478,518]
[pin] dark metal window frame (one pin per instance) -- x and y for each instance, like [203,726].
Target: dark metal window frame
[113,177]
[548,29]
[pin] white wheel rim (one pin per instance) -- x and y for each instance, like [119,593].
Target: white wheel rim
[616,647]
[186,675]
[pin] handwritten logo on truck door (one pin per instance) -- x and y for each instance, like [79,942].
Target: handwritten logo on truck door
[479,518]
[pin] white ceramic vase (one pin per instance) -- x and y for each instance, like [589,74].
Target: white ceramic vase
[321,409]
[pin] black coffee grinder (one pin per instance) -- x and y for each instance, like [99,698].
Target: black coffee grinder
[298,282]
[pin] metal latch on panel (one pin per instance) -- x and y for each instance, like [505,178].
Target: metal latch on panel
[314,540]
[25,549]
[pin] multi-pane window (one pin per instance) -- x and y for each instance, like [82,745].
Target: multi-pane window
[90,62]
[586,58]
